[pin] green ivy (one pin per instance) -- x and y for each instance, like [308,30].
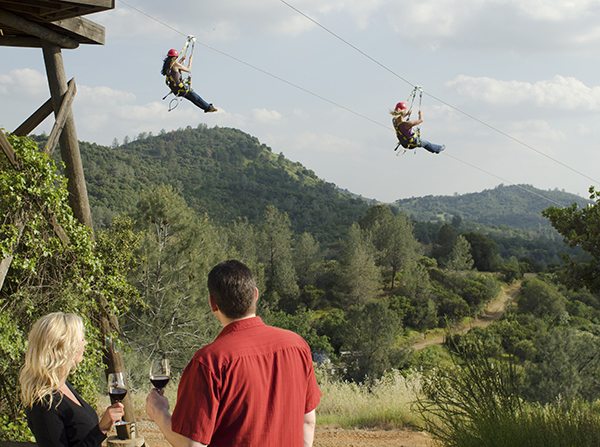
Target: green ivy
[48,275]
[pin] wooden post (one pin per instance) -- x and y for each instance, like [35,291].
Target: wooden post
[61,117]
[113,358]
[35,119]
[69,145]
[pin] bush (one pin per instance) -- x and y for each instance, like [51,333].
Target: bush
[477,403]
[541,299]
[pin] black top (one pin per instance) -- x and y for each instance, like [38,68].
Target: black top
[66,424]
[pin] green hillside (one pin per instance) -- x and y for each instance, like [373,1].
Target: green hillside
[221,171]
[229,174]
[509,206]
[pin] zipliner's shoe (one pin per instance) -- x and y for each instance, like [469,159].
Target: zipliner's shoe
[211,108]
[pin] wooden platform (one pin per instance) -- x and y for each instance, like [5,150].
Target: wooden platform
[23,23]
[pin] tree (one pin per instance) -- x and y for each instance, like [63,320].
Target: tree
[243,240]
[307,256]
[445,242]
[392,236]
[361,278]
[579,228]
[178,249]
[540,299]
[276,254]
[460,257]
[371,340]
[484,251]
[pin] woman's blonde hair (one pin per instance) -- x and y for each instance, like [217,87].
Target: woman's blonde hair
[398,113]
[54,341]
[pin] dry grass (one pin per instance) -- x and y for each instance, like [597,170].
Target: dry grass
[386,403]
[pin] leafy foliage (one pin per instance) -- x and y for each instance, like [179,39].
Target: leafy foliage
[579,227]
[56,265]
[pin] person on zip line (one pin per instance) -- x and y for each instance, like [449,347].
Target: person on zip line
[172,70]
[409,135]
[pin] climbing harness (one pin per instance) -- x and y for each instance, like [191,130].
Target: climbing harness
[405,140]
[179,88]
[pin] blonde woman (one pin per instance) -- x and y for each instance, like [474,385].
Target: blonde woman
[57,415]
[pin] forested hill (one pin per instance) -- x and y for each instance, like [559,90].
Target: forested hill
[221,171]
[510,206]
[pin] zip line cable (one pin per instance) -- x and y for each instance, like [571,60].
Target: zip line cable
[261,70]
[474,118]
[299,87]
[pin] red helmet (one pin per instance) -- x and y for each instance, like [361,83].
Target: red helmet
[401,106]
[173,52]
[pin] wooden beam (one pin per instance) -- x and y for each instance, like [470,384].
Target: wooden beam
[69,144]
[104,4]
[36,30]
[35,119]
[24,42]
[61,117]
[84,29]
[8,150]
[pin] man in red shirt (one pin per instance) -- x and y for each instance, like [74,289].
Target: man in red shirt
[254,385]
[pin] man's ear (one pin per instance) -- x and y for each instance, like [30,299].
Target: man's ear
[213,304]
[256,294]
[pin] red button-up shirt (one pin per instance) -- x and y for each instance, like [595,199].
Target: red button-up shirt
[250,387]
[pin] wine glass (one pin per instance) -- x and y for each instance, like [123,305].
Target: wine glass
[160,373]
[117,390]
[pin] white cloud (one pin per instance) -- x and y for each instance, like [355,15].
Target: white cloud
[554,10]
[513,25]
[23,81]
[323,142]
[537,131]
[103,96]
[266,116]
[560,92]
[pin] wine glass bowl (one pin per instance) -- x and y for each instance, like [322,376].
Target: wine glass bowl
[116,389]
[160,373]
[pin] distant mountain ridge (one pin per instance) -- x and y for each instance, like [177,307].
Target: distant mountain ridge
[515,206]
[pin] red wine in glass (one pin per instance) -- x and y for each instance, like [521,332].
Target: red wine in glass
[159,382]
[160,373]
[116,390]
[117,394]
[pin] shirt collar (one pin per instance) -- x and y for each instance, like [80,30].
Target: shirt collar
[241,325]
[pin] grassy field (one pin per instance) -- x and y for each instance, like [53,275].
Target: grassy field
[384,404]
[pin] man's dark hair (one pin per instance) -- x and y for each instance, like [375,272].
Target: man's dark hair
[231,285]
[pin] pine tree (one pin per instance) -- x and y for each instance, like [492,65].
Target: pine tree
[276,254]
[178,250]
[460,257]
[307,256]
[360,275]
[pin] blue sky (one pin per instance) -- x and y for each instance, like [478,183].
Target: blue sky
[527,67]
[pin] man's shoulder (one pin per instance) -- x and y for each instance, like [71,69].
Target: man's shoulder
[285,335]
[237,343]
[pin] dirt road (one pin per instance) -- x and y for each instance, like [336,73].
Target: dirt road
[492,312]
[324,437]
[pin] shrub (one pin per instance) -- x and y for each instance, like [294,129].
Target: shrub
[477,403]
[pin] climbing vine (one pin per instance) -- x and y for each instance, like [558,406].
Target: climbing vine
[57,265]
